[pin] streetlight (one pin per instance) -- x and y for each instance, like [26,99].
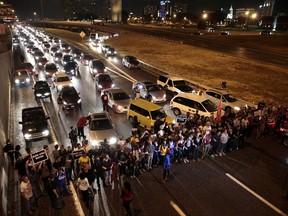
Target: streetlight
[205,16]
[1,3]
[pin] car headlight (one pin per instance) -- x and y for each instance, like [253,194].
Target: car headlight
[71,84]
[47,93]
[94,142]
[174,121]
[27,79]
[237,108]
[95,70]
[37,57]
[72,70]
[60,86]
[79,101]
[100,86]
[45,132]
[40,63]
[112,140]
[38,95]
[113,85]
[105,69]
[64,102]
[27,136]
[17,81]
[153,98]
[164,96]
[115,60]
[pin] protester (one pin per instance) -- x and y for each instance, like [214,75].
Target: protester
[27,194]
[9,149]
[83,186]
[80,126]
[105,101]
[127,197]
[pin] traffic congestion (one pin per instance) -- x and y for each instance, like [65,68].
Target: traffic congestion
[137,119]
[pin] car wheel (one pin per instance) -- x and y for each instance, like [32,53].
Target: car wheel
[176,111]
[285,141]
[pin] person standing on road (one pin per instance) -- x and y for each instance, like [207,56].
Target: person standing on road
[223,141]
[73,137]
[80,126]
[84,185]
[9,149]
[27,193]
[127,197]
[104,99]
[166,166]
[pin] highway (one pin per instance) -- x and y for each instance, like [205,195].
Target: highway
[245,182]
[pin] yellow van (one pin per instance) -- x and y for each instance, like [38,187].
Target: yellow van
[146,113]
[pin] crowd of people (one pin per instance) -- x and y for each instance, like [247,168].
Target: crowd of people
[159,146]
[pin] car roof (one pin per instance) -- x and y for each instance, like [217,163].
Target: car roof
[103,74]
[100,115]
[67,88]
[145,103]
[191,96]
[61,74]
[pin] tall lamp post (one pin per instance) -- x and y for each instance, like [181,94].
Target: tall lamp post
[42,10]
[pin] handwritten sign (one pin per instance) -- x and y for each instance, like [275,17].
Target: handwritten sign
[77,153]
[181,119]
[39,156]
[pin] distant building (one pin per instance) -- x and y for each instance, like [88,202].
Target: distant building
[230,14]
[179,8]
[267,8]
[113,10]
[79,9]
[164,9]
[7,13]
[150,10]
[244,12]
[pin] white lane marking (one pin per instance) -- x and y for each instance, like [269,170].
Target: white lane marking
[96,204]
[105,203]
[176,207]
[256,195]
[139,181]
[76,201]
[122,74]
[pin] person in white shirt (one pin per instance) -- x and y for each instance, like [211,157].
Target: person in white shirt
[83,185]
[27,193]
[223,141]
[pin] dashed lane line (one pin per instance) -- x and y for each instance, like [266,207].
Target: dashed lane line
[256,195]
[176,207]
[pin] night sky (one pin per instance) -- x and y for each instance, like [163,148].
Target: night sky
[54,8]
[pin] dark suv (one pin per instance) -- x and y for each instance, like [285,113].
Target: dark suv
[42,90]
[34,124]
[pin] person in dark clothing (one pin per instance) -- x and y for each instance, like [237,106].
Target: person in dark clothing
[52,191]
[80,126]
[127,197]
[98,170]
[73,137]
[9,149]
[22,59]
[104,99]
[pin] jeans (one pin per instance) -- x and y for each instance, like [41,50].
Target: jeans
[222,147]
[196,152]
[149,161]
[206,150]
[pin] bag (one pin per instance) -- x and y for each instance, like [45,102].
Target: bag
[90,193]
[59,203]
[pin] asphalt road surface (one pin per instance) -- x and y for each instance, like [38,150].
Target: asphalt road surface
[250,181]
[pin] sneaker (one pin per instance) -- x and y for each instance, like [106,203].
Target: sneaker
[220,154]
[187,160]
[224,153]
[212,156]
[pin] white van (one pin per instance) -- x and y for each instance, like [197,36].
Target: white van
[188,102]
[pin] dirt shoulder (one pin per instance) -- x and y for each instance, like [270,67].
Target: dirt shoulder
[246,79]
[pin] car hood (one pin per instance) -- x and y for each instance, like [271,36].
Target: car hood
[100,135]
[123,103]
[157,94]
[35,127]
[72,100]
[42,91]
[241,104]
[105,84]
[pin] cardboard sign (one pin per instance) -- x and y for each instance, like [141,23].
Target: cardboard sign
[77,153]
[39,156]
[181,119]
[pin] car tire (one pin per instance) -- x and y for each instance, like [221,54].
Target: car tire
[176,111]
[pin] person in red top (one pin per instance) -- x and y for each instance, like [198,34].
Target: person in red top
[127,197]
[80,126]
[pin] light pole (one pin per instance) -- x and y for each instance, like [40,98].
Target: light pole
[42,10]
[35,14]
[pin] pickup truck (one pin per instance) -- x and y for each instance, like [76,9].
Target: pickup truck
[34,124]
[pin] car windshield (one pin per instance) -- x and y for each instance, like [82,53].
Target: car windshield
[229,98]
[179,82]
[121,96]
[21,73]
[33,117]
[41,85]
[209,106]
[158,113]
[132,59]
[71,92]
[98,64]
[100,124]
[105,78]
[51,67]
[63,79]
[153,88]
